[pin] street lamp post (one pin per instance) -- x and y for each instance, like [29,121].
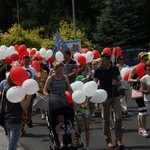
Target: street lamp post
[18,17]
[74,19]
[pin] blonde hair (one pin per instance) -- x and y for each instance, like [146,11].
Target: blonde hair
[57,64]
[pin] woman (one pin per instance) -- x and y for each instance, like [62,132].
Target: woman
[13,117]
[42,76]
[135,80]
[57,84]
[145,87]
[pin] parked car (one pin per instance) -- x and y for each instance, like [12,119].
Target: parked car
[131,55]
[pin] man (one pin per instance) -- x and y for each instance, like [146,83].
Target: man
[70,68]
[125,88]
[108,77]
[32,75]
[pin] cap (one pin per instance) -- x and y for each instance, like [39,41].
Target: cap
[141,55]
[80,78]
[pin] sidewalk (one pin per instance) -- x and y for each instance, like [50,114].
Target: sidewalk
[4,141]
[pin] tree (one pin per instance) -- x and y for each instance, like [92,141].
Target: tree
[120,24]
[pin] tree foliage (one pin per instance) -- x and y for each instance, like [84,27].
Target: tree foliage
[120,24]
[90,15]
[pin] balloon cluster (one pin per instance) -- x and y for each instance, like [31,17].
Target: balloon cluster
[89,89]
[86,56]
[24,85]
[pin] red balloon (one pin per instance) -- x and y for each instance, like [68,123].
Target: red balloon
[36,65]
[96,54]
[32,52]
[84,50]
[22,49]
[15,57]
[26,53]
[140,69]
[126,76]
[81,60]
[16,47]
[69,97]
[51,59]
[8,60]
[18,75]
[116,51]
[40,57]
[107,50]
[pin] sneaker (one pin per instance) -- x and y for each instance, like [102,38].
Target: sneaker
[74,144]
[88,148]
[61,145]
[93,114]
[145,134]
[42,116]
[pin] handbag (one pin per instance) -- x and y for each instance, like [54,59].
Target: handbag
[137,94]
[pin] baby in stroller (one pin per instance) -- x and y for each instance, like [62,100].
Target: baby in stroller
[65,127]
[63,134]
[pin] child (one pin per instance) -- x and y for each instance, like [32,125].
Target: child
[62,129]
[83,115]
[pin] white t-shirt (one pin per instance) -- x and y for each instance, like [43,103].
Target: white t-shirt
[31,72]
[146,79]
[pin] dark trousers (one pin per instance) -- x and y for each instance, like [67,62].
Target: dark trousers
[29,110]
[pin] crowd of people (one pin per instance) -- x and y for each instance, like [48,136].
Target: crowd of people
[54,79]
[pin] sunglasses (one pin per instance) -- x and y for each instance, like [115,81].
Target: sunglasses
[121,59]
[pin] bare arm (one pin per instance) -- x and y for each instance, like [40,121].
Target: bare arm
[25,102]
[144,88]
[131,77]
[46,86]
[68,84]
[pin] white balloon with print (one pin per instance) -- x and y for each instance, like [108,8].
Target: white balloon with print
[99,96]
[89,88]
[78,97]
[77,85]
[30,86]
[15,94]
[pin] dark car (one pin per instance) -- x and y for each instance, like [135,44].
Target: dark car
[131,55]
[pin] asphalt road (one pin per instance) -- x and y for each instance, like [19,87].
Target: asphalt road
[37,138]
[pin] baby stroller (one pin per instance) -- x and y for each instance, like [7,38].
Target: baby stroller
[51,118]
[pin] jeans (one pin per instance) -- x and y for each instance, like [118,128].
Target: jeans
[106,106]
[13,131]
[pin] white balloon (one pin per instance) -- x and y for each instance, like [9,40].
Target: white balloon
[59,56]
[99,96]
[124,71]
[77,85]
[49,53]
[30,86]
[89,56]
[10,50]
[89,88]
[75,56]
[78,97]
[3,52]
[42,52]
[15,94]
